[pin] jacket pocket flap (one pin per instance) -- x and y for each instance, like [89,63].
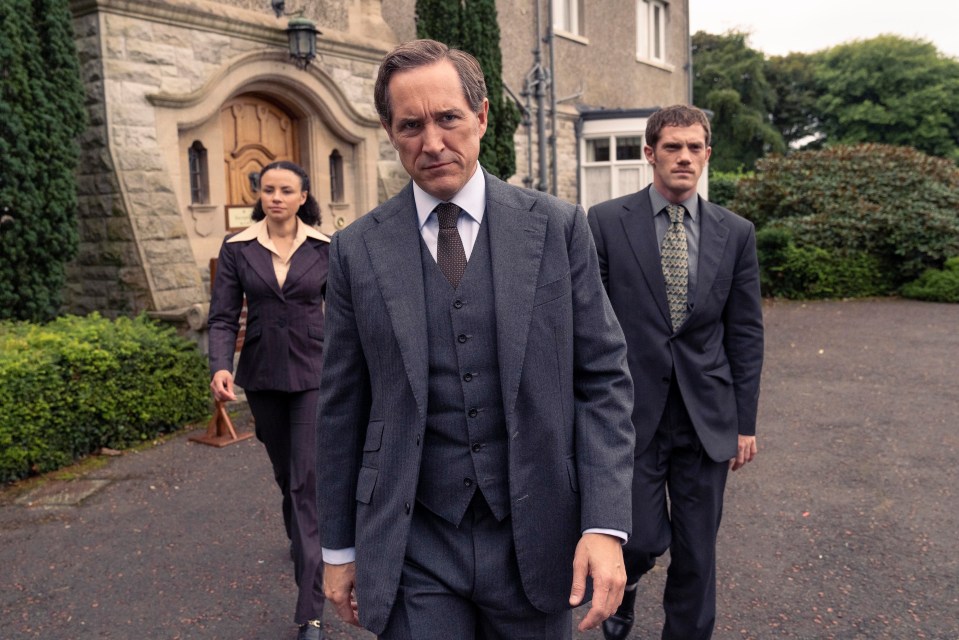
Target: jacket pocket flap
[723,373]
[552,290]
[571,471]
[365,482]
[374,435]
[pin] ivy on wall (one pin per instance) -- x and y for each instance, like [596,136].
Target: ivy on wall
[41,118]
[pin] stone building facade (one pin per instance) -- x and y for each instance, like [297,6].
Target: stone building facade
[189,98]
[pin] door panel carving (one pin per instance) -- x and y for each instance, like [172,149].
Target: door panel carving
[255,133]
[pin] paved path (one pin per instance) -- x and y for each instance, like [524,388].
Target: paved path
[845,527]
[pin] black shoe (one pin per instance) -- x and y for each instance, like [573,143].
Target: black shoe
[618,625]
[312,630]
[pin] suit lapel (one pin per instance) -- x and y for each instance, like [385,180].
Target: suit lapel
[637,219]
[713,234]
[303,260]
[261,260]
[394,250]
[517,237]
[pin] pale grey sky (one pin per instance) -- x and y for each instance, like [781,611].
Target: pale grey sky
[779,27]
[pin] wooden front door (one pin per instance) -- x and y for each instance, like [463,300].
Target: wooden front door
[256,132]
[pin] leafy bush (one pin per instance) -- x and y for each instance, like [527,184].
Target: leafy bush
[803,273]
[74,385]
[722,186]
[936,285]
[894,204]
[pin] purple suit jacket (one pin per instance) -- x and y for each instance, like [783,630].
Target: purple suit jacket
[283,346]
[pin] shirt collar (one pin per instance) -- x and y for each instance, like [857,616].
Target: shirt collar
[659,202]
[258,231]
[471,199]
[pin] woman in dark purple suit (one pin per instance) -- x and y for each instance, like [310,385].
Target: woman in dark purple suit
[280,265]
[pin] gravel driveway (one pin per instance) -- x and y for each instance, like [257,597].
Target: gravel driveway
[844,527]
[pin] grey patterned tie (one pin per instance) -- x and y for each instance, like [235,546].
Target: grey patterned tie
[450,255]
[676,265]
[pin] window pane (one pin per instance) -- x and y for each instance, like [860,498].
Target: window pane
[628,180]
[597,150]
[629,148]
[597,186]
[657,30]
[561,17]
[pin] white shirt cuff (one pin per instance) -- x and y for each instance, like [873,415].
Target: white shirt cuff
[610,532]
[339,556]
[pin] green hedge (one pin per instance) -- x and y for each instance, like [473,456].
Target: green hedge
[807,273]
[936,285]
[76,384]
[893,204]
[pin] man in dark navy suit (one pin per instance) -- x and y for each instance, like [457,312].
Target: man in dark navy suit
[683,278]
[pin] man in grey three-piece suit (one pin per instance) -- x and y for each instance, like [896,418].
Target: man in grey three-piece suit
[474,438]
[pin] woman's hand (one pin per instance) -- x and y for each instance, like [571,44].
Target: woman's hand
[222,385]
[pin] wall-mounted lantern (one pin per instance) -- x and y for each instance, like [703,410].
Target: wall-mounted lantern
[301,33]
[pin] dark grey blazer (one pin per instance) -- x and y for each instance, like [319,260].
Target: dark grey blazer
[566,391]
[718,352]
[283,345]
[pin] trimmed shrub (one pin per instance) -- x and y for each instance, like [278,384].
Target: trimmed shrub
[936,285]
[803,273]
[722,186]
[894,204]
[76,384]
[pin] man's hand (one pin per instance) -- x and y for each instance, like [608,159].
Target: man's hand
[600,556]
[745,453]
[338,583]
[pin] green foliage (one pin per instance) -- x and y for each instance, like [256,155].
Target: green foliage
[41,117]
[804,273]
[76,384]
[723,185]
[891,203]
[471,25]
[729,80]
[793,81]
[936,285]
[890,90]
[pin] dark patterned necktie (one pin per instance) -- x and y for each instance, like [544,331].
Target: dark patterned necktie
[450,255]
[676,265]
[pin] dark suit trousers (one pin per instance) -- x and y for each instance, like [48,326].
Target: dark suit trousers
[285,424]
[676,464]
[463,582]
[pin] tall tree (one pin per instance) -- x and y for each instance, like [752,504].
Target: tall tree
[890,90]
[471,25]
[41,117]
[729,80]
[794,114]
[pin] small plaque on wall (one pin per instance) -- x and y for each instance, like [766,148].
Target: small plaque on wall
[238,217]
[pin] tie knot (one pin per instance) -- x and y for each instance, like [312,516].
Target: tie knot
[447,213]
[676,212]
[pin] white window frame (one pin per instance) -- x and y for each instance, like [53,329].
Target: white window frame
[569,18]
[651,30]
[612,130]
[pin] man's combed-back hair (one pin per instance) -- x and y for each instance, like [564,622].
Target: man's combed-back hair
[421,53]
